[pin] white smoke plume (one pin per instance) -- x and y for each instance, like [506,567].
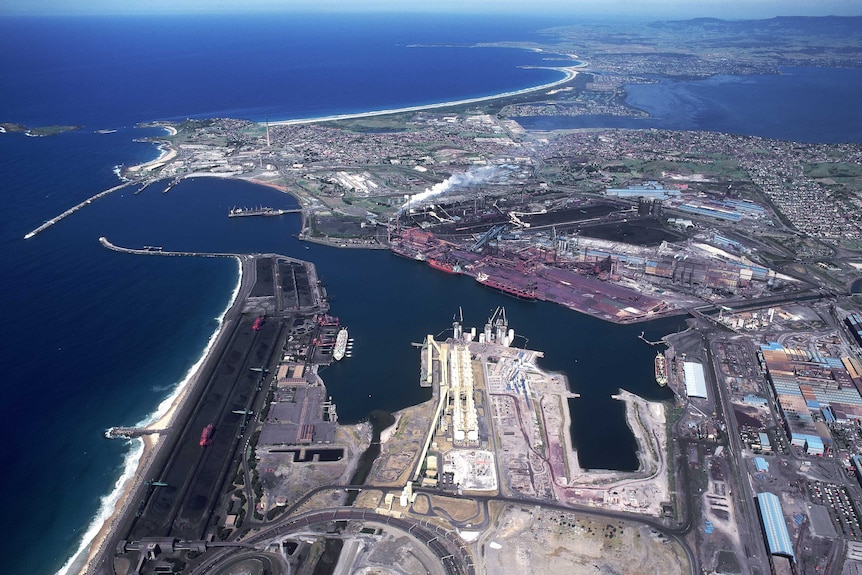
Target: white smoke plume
[471,177]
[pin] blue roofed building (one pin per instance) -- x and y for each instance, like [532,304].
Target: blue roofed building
[772,517]
[755,400]
[653,190]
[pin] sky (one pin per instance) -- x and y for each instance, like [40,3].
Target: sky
[646,9]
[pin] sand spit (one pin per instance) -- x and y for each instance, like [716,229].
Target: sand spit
[570,73]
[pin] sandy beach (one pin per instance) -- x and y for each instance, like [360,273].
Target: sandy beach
[167,154]
[134,479]
[570,72]
[278,187]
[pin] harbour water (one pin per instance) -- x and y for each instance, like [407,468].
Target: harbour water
[799,104]
[96,338]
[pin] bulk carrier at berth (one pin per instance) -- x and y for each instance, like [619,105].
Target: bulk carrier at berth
[259,211]
[444,266]
[523,293]
[340,344]
[660,370]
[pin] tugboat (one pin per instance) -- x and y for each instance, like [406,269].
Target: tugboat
[258,323]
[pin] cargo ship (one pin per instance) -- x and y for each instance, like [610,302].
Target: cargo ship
[258,323]
[207,435]
[260,211]
[660,371]
[340,344]
[506,288]
[444,266]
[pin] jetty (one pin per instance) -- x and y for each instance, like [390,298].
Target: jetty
[130,432]
[645,340]
[260,211]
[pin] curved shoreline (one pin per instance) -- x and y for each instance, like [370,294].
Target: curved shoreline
[569,73]
[114,505]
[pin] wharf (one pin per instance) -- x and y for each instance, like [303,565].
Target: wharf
[260,211]
[531,277]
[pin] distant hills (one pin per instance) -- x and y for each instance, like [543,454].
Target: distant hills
[840,26]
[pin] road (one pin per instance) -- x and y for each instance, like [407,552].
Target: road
[283,527]
[446,544]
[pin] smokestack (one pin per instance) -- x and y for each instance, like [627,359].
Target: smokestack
[471,177]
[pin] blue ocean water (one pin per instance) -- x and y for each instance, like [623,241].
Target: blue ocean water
[94,338]
[120,71]
[98,339]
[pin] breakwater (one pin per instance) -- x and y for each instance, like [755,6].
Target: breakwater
[159,251]
[74,209]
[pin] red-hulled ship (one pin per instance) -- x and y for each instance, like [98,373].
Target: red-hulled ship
[258,323]
[207,435]
[444,266]
[507,288]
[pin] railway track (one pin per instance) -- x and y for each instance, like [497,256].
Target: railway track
[194,475]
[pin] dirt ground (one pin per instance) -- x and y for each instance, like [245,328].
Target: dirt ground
[532,540]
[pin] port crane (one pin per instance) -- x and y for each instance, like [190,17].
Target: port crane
[259,369]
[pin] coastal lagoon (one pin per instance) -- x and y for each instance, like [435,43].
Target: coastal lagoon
[96,338]
[800,104]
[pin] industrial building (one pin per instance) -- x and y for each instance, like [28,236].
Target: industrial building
[464,418]
[652,190]
[775,529]
[812,391]
[695,381]
[765,445]
[856,461]
[711,211]
[854,323]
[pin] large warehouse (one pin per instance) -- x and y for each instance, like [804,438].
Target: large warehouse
[777,537]
[695,382]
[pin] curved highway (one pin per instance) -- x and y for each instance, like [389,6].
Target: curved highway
[445,544]
[456,547]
